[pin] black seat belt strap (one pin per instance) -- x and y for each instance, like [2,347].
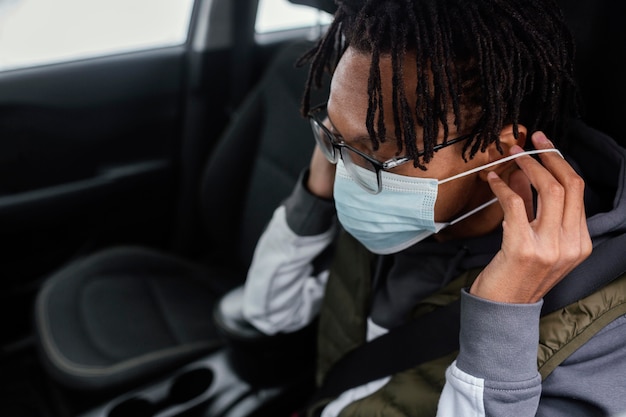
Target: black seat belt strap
[589,276]
[426,338]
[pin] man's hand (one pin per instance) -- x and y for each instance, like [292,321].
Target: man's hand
[537,251]
[321,175]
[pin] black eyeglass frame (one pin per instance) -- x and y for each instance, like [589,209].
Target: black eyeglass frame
[378,166]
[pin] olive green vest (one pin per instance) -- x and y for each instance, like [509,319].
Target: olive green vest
[415,392]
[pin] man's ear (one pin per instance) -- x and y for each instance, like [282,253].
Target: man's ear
[507,140]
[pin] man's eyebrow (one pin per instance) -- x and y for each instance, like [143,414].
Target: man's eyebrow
[362,138]
[335,131]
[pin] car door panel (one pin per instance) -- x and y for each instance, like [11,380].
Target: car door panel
[68,122]
[88,153]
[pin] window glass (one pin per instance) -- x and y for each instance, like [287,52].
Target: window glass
[277,15]
[34,32]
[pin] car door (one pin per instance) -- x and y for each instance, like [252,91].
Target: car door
[92,139]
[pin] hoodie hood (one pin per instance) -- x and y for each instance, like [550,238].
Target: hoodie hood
[602,164]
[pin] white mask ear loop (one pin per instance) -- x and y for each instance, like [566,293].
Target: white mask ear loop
[473,211]
[498,162]
[489,165]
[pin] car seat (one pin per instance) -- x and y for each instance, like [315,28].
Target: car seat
[125,314]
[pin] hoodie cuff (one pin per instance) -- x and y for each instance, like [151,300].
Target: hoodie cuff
[307,214]
[498,341]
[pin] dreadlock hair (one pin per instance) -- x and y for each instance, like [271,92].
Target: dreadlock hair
[487,63]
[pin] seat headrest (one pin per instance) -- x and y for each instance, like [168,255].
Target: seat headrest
[328,6]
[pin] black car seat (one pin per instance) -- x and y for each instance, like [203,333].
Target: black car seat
[128,313]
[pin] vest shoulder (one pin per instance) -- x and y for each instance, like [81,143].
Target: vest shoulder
[563,331]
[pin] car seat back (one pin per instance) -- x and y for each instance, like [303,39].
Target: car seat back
[258,160]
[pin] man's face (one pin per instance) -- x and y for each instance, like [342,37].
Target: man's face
[347,110]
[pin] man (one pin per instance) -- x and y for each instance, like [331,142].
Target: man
[431,106]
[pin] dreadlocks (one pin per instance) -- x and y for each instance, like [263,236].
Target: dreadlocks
[486,63]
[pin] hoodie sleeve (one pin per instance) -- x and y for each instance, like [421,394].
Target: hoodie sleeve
[496,372]
[283,290]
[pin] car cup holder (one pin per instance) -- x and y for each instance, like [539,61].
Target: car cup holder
[184,388]
[209,387]
[252,375]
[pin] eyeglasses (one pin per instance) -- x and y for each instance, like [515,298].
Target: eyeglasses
[363,168]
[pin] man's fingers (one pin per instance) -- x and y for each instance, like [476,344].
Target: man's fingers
[550,192]
[574,186]
[519,183]
[560,200]
[513,205]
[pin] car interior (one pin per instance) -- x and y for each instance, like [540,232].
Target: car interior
[133,189]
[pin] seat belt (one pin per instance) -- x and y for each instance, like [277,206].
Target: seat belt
[578,284]
[436,334]
[426,338]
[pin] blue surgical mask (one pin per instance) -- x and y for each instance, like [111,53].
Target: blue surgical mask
[403,213]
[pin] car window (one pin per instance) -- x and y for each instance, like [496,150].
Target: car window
[280,15]
[35,32]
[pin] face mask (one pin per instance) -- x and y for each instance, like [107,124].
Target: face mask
[403,213]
